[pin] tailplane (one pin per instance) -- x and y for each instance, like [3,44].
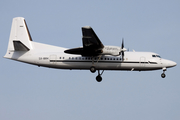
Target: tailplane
[20,38]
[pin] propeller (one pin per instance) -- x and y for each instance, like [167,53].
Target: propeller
[122,49]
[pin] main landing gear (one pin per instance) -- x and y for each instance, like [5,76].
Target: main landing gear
[98,77]
[92,69]
[163,75]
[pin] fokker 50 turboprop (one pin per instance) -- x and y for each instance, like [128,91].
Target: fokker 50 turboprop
[93,55]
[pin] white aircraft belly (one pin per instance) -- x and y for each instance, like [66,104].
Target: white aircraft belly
[99,65]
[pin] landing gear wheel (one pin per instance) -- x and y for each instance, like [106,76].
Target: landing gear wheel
[99,78]
[92,69]
[163,75]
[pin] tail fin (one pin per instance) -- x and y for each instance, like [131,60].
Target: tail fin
[20,38]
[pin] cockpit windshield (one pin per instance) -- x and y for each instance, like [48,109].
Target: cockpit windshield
[156,56]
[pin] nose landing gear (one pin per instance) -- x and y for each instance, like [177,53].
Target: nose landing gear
[163,75]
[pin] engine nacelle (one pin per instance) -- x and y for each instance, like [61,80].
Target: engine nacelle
[111,50]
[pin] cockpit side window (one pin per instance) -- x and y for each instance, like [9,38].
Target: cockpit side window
[153,55]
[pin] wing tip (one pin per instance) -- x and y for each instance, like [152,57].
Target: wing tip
[87,27]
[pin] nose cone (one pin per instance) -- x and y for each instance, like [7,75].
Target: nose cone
[172,63]
[169,63]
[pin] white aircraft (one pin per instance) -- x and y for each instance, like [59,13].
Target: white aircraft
[93,55]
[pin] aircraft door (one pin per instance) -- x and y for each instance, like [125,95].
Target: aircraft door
[52,59]
[142,61]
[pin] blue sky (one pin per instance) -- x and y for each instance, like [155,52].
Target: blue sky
[29,92]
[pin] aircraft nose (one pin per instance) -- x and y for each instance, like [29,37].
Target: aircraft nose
[170,63]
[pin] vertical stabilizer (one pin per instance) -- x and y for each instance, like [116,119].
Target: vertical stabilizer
[20,37]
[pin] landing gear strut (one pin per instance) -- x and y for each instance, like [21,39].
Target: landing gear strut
[163,75]
[92,68]
[98,77]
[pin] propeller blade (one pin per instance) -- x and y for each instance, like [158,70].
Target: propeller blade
[122,55]
[122,45]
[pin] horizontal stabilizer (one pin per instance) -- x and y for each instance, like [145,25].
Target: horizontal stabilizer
[19,46]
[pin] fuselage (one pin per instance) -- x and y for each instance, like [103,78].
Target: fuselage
[93,55]
[54,57]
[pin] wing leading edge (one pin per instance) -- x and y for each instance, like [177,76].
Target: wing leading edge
[92,46]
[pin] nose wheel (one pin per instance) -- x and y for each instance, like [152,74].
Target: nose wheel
[163,75]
